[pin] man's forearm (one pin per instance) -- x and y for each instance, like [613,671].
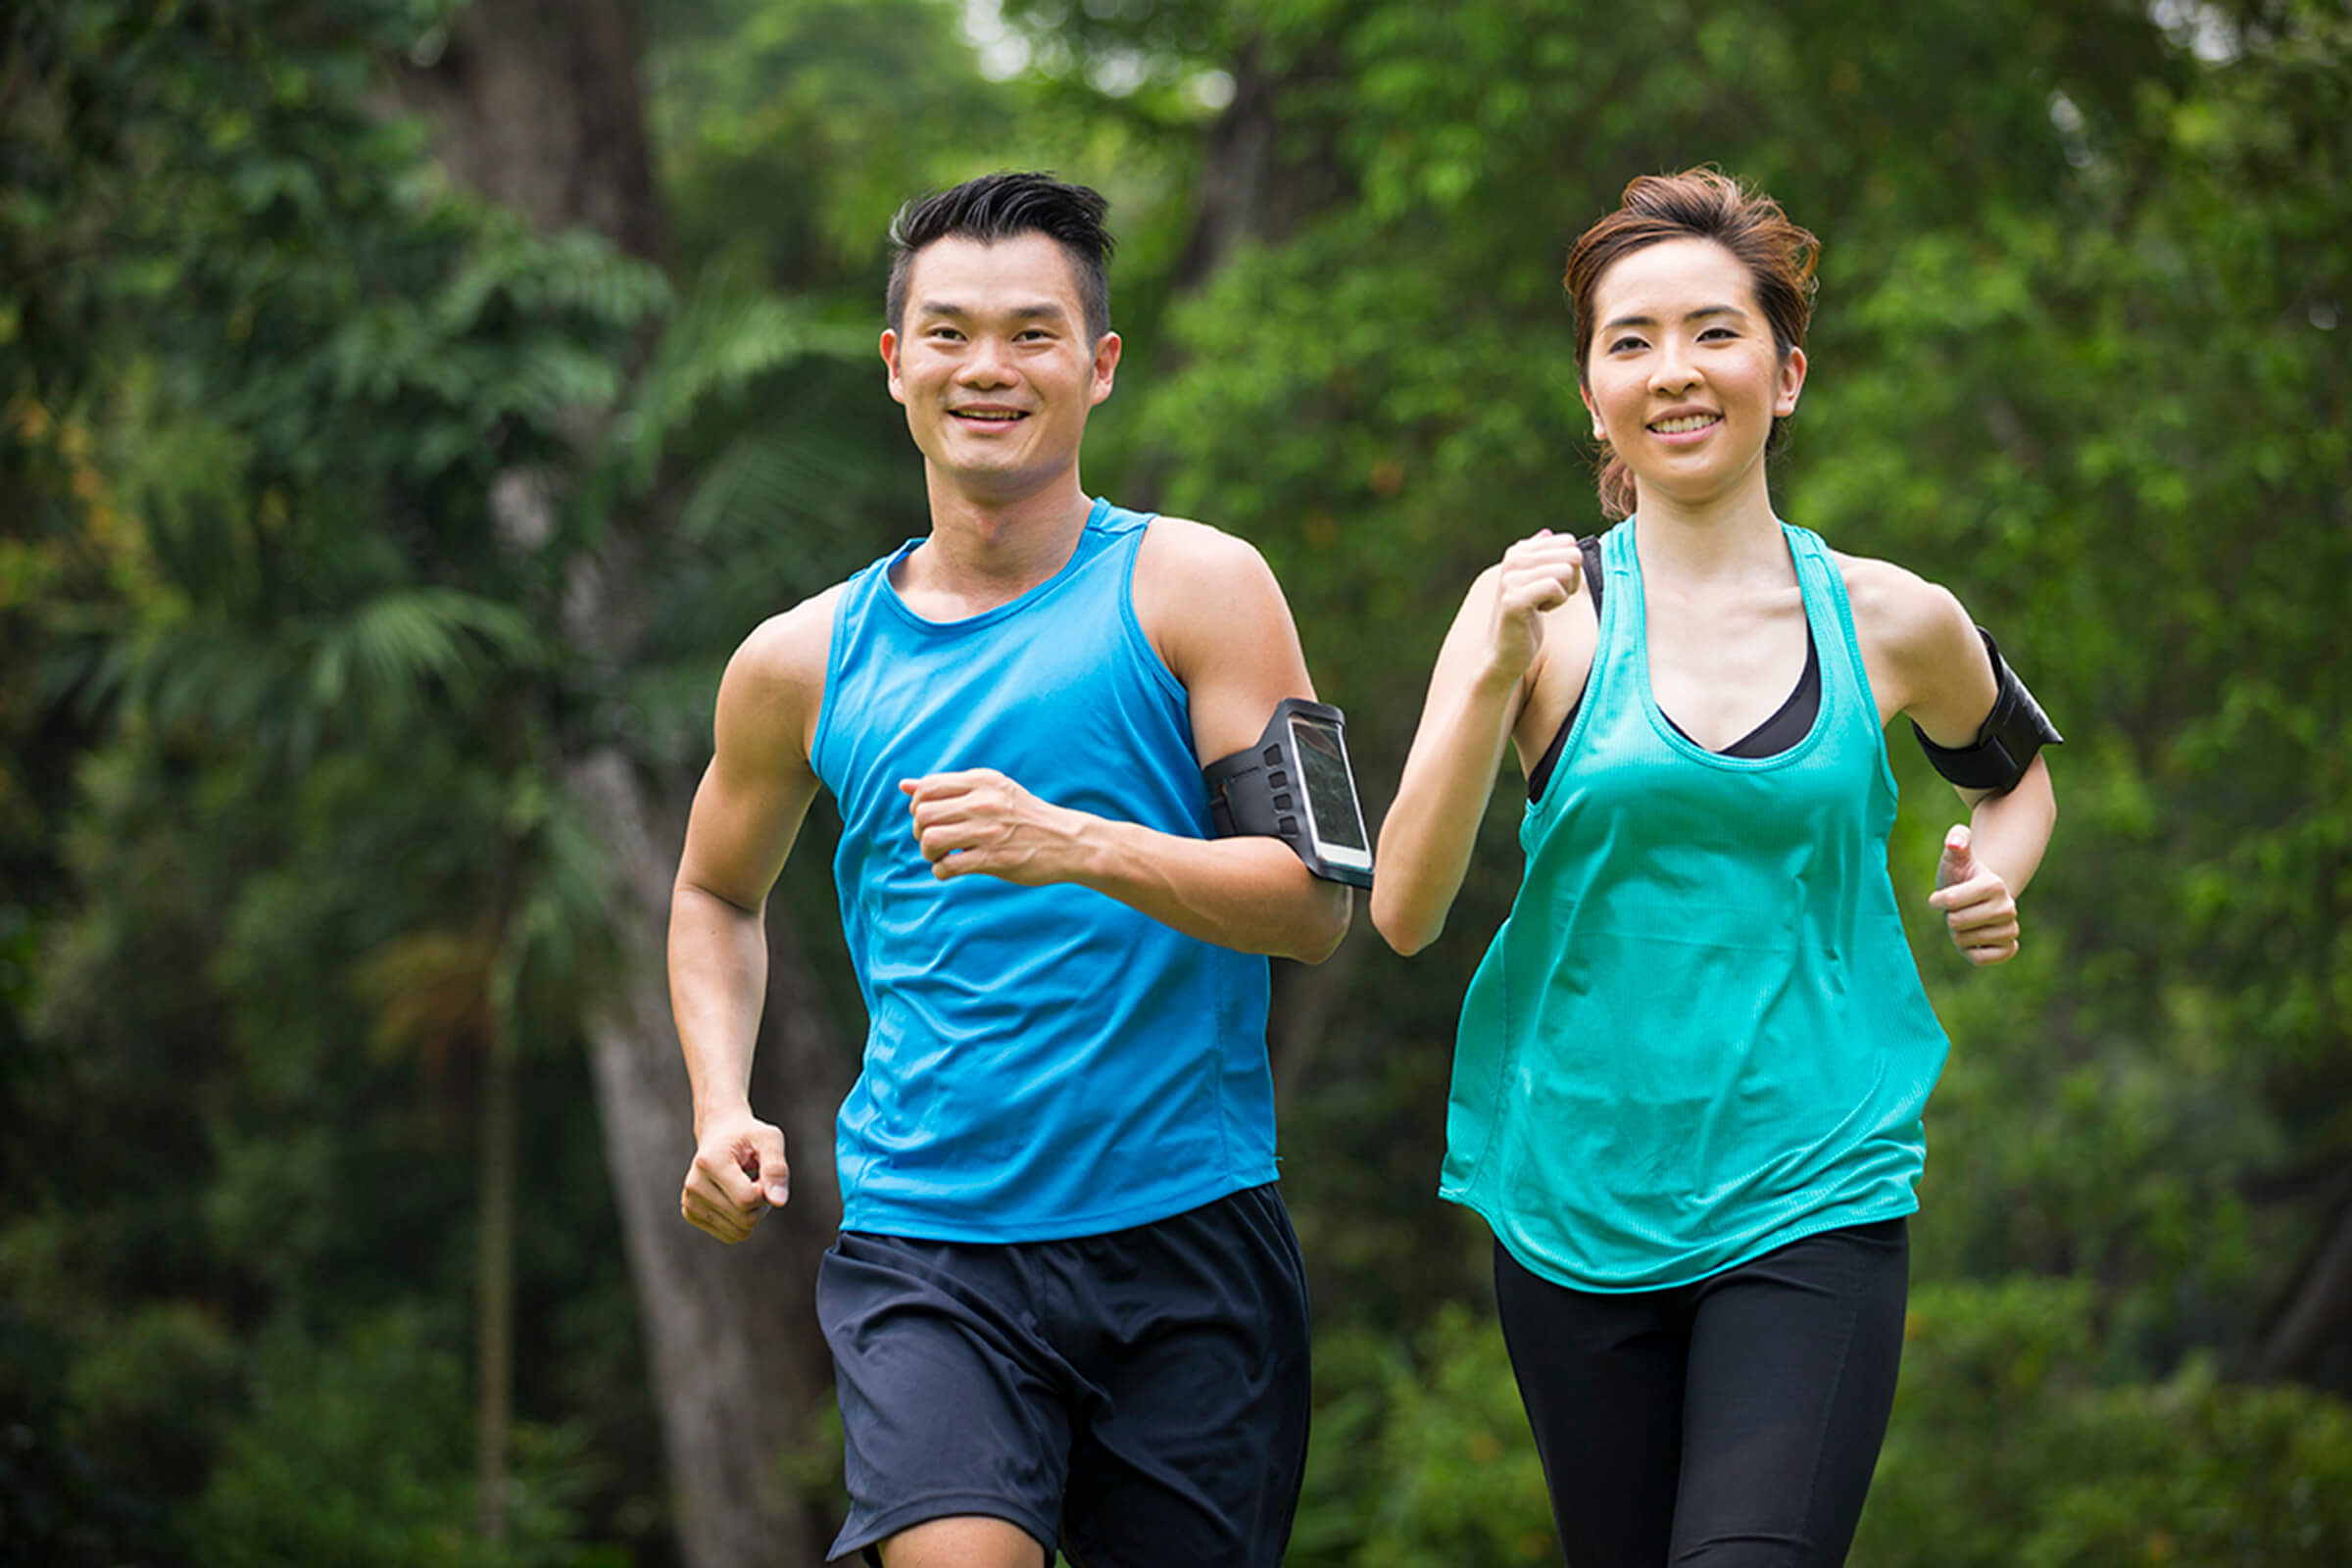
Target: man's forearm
[1251,894]
[718,981]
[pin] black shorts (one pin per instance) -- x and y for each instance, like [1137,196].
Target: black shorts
[1133,1399]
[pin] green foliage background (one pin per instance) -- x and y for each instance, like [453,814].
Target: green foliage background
[285,863]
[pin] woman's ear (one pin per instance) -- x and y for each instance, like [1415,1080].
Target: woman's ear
[1792,383]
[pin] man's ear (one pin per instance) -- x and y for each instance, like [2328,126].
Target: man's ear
[1106,365]
[889,361]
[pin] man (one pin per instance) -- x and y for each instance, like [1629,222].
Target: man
[1066,1306]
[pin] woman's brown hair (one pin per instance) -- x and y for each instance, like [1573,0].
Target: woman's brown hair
[1695,204]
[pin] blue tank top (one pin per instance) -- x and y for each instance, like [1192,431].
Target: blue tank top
[1700,1034]
[1039,1062]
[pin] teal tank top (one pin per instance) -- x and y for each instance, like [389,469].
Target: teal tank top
[1700,1034]
[1039,1062]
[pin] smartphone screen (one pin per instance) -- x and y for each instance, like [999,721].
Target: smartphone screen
[1332,819]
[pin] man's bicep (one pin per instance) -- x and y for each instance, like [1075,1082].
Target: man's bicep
[1245,658]
[756,793]
[741,830]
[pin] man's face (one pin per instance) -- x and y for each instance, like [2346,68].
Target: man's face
[994,365]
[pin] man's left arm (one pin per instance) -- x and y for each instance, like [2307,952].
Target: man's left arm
[1211,608]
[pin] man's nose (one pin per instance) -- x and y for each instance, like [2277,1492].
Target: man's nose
[990,363]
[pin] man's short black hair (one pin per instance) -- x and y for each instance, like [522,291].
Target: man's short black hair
[1002,207]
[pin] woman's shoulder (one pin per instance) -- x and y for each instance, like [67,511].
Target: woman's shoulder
[1899,612]
[1925,656]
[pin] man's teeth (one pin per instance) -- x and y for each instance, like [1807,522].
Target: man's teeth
[1692,421]
[1002,416]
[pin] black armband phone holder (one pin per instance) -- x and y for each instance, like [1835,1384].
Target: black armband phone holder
[2007,742]
[1295,785]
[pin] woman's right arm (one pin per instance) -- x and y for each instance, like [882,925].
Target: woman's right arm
[1490,661]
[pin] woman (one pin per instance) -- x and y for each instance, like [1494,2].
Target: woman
[1688,1090]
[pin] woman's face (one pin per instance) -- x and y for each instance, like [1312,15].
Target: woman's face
[1682,375]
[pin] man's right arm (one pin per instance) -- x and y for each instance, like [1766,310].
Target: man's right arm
[747,813]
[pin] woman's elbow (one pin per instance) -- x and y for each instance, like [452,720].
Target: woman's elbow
[1398,929]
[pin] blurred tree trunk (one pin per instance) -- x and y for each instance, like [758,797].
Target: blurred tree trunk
[1259,175]
[494,1311]
[2317,1311]
[535,103]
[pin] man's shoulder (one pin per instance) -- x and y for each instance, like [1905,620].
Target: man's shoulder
[1192,554]
[788,651]
[1210,603]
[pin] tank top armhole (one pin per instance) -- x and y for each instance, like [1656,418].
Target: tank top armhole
[854,593]
[1138,639]
[1866,698]
[1590,546]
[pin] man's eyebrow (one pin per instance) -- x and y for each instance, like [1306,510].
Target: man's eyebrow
[1047,311]
[1691,315]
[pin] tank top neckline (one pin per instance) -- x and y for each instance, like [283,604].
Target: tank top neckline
[1786,726]
[888,591]
[1627,560]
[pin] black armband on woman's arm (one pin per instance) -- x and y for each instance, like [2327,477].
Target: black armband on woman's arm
[2007,742]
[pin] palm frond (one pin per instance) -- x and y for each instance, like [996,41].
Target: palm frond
[399,641]
[725,338]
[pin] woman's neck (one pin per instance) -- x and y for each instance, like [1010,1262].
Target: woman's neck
[1733,539]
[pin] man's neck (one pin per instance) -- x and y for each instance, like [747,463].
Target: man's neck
[984,550]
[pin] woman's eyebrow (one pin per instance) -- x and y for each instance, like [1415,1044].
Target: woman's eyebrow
[1688,316]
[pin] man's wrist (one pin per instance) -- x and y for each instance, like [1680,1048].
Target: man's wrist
[714,1116]
[1095,848]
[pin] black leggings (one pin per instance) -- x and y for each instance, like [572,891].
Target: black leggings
[1733,1422]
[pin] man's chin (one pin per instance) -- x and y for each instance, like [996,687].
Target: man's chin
[996,482]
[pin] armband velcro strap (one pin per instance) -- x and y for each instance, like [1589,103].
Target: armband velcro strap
[1295,785]
[2007,742]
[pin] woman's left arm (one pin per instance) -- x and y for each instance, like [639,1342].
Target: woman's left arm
[1989,860]
[1935,669]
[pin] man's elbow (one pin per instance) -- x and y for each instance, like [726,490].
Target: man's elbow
[1319,934]
[691,893]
